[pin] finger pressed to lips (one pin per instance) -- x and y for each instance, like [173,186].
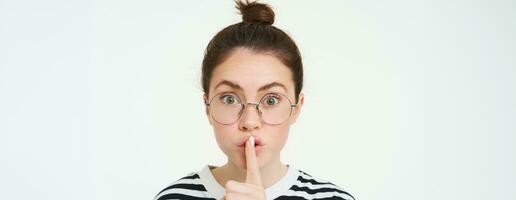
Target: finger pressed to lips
[258,141]
[253,169]
[252,188]
[257,150]
[258,145]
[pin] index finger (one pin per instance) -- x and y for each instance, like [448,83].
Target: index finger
[253,169]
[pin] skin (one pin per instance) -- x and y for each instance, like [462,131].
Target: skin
[250,170]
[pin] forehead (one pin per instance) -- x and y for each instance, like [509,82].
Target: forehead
[251,70]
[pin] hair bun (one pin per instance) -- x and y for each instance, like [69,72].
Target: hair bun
[253,12]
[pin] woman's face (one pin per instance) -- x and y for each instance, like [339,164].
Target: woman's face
[249,76]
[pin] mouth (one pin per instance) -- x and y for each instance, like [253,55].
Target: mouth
[257,142]
[257,149]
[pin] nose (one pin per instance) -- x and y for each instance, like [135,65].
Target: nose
[250,119]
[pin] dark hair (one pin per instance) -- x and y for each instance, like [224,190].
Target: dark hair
[255,33]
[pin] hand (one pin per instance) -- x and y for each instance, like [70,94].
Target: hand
[252,189]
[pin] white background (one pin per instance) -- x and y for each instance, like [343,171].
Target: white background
[404,99]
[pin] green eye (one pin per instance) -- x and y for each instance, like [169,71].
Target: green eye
[229,99]
[270,101]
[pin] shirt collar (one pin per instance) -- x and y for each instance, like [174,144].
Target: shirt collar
[275,190]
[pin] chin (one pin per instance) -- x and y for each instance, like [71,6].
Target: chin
[239,161]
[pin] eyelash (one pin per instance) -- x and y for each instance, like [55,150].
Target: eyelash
[229,94]
[275,95]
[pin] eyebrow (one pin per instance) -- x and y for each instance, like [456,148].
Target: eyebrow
[265,87]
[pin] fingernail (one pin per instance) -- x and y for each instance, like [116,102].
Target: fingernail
[251,141]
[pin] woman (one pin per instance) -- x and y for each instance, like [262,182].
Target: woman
[252,78]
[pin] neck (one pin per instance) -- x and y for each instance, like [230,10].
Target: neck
[270,174]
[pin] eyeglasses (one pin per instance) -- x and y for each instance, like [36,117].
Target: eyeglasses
[226,108]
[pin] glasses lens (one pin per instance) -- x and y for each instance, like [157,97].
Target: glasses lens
[225,108]
[275,108]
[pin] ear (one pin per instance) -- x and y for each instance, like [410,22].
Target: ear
[206,108]
[297,110]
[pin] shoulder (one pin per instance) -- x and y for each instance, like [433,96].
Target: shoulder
[310,187]
[187,187]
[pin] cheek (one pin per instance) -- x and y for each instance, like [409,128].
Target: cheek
[279,136]
[223,135]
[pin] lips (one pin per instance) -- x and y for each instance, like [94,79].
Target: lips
[257,142]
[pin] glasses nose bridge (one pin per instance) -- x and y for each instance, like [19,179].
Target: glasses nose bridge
[244,106]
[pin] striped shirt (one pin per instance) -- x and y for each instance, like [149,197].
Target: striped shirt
[295,184]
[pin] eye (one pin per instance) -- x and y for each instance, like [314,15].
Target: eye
[229,99]
[272,100]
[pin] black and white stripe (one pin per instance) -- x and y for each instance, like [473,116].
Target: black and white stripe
[188,187]
[308,187]
[304,188]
